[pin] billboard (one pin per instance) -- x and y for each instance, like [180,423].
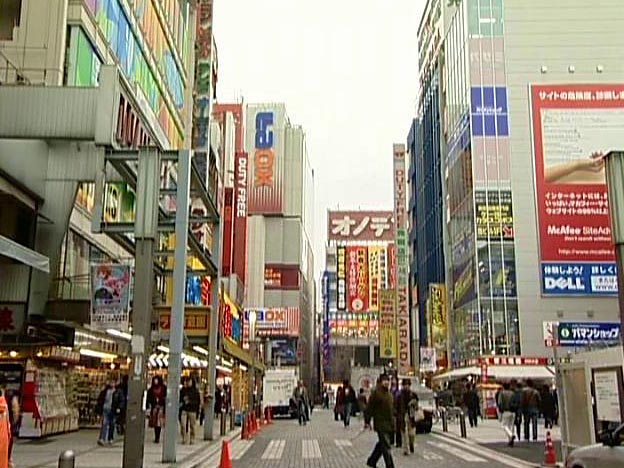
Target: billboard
[439,320]
[273,321]
[360,226]
[580,334]
[574,126]
[110,296]
[281,277]
[265,144]
[387,324]
[376,274]
[341,275]
[402,260]
[494,215]
[357,279]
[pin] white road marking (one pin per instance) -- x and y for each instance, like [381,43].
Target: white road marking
[431,456]
[240,448]
[274,450]
[343,443]
[467,456]
[310,448]
[486,452]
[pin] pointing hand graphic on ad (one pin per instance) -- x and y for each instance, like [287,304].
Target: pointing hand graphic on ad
[581,171]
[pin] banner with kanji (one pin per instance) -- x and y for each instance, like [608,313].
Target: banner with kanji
[357,279]
[387,324]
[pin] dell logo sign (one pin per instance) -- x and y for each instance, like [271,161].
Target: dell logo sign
[565,284]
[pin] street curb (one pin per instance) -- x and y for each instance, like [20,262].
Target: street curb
[475,444]
[191,461]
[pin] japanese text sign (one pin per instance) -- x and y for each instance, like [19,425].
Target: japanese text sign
[494,215]
[387,324]
[360,226]
[581,334]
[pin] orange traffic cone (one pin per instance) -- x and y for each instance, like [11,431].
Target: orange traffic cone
[226,455]
[550,458]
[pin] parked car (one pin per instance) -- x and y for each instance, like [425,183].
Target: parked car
[608,454]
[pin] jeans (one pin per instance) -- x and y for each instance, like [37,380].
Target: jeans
[108,425]
[382,449]
[301,410]
[348,408]
[188,420]
[507,421]
[530,418]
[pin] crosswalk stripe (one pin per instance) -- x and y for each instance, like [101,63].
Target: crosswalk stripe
[343,443]
[274,450]
[467,456]
[431,456]
[310,448]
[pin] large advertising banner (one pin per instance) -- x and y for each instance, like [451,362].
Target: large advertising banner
[387,324]
[574,127]
[110,296]
[376,267]
[357,283]
[494,215]
[341,276]
[439,320]
[402,272]
[360,226]
[265,144]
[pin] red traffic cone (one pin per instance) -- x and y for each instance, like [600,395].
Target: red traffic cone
[226,455]
[550,457]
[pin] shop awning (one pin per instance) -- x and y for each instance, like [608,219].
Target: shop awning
[521,372]
[240,354]
[458,373]
[12,249]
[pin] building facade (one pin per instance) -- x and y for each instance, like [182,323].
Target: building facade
[513,268]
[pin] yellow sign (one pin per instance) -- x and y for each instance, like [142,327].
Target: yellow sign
[439,318]
[387,324]
[196,322]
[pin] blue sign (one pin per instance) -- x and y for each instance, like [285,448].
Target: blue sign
[488,111]
[585,333]
[579,279]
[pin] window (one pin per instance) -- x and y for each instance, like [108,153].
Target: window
[10,12]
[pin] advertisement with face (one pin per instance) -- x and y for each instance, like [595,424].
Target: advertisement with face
[574,127]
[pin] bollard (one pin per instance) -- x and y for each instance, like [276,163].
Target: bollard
[462,424]
[232,419]
[444,420]
[67,459]
[223,426]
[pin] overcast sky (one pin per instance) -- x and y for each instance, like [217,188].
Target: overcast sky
[347,71]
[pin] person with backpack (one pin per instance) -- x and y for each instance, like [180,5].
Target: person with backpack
[507,410]
[530,405]
[406,409]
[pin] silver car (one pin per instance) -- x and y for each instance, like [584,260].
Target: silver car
[608,454]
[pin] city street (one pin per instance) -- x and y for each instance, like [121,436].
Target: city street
[325,443]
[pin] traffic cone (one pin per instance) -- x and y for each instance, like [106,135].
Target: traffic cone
[550,457]
[226,455]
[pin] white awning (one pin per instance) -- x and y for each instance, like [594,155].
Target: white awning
[521,372]
[458,373]
[12,249]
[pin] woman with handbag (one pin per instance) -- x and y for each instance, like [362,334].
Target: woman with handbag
[156,399]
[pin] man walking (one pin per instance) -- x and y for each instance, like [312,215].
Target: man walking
[530,404]
[300,395]
[406,408]
[471,401]
[381,409]
[350,403]
[189,405]
[505,404]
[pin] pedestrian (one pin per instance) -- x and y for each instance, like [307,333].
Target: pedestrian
[396,433]
[548,407]
[530,405]
[189,405]
[122,397]
[516,387]
[471,402]
[406,408]
[300,396]
[339,406]
[325,399]
[350,403]
[156,398]
[362,401]
[106,407]
[380,409]
[507,411]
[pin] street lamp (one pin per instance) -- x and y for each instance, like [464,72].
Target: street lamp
[614,162]
[252,351]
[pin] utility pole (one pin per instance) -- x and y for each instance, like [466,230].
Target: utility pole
[147,188]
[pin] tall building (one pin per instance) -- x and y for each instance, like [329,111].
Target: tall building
[280,273]
[525,217]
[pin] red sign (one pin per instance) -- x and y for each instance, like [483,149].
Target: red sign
[284,277]
[574,126]
[220,110]
[360,226]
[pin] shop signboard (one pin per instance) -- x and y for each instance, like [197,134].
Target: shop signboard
[387,324]
[428,360]
[360,226]
[588,333]
[489,114]
[110,298]
[281,277]
[574,127]
[266,146]
[357,279]
[12,316]
[439,319]
[341,275]
[273,322]
[230,319]
[196,320]
[402,274]
[376,274]
[494,215]
[241,171]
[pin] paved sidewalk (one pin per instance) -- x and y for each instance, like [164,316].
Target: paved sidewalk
[489,434]
[44,453]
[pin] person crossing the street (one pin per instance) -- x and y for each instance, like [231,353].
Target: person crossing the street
[507,405]
[406,408]
[380,408]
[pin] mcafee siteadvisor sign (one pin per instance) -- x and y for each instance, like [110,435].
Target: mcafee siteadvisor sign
[360,226]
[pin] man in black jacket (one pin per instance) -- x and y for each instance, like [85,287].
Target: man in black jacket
[189,404]
[350,403]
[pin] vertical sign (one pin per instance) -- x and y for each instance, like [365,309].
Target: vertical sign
[239,262]
[574,127]
[265,144]
[375,268]
[387,324]
[203,85]
[402,274]
[110,296]
[439,321]
[342,278]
